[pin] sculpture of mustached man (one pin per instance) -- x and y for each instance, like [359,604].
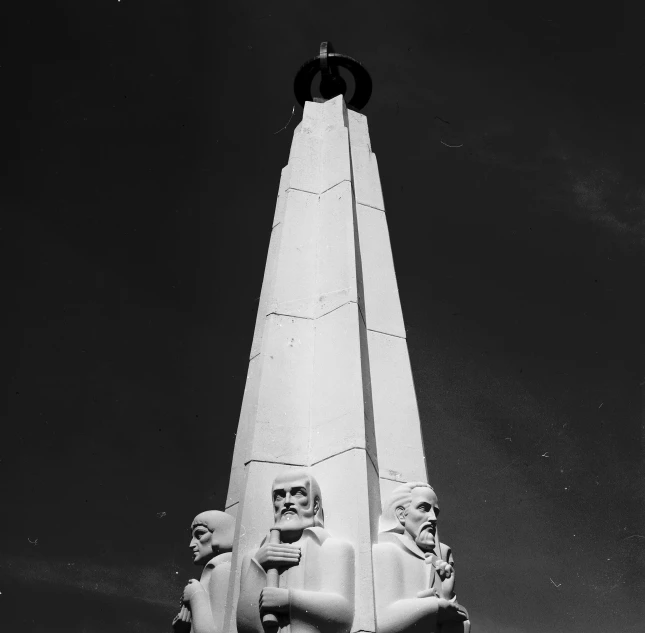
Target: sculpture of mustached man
[304,581]
[204,601]
[414,575]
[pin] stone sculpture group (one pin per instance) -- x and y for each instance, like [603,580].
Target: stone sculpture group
[304,580]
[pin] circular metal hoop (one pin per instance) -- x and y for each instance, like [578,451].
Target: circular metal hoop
[321,63]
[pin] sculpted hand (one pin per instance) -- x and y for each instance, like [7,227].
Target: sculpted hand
[280,555]
[274,599]
[451,611]
[445,570]
[428,593]
[193,587]
[181,623]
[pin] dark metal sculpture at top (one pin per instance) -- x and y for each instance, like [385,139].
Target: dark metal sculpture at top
[332,84]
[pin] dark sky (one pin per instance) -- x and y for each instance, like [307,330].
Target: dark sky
[140,170]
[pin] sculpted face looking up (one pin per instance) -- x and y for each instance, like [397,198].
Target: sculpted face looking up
[212,534]
[296,504]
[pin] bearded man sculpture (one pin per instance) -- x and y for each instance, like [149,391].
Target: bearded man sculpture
[315,591]
[414,576]
[204,600]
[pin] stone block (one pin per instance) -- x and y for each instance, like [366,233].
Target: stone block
[285,178]
[396,417]
[358,130]
[367,183]
[351,499]
[266,294]
[281,431]
[295,272]
[337,395]
[244,434]
[380,290]
[305,160]
[335,165]
[336,259]
[334,113]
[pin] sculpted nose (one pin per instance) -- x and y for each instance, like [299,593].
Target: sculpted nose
[432,516]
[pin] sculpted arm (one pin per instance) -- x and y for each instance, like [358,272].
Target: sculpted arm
[201,615]
[252,580]
[332,607]
[208,600]
[448,582]
[396,612]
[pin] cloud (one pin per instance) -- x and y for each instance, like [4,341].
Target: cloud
[602,194]
[154,585]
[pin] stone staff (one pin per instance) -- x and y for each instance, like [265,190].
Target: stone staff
[269,620]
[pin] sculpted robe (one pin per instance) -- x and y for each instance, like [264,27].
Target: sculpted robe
[401,571]
[207,610]
[321,587]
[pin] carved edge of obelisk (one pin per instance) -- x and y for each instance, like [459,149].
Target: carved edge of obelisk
[325,461]
[395,412]
[323,301]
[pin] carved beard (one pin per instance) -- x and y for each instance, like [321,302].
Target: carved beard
[426,539]
[296,522]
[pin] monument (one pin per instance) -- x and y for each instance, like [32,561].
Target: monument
[329,409]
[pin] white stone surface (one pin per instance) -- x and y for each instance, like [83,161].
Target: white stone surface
[367,183]
[335,253]
[396,415]
[326,389]
[267,289]
[380,291]
[351,499]
[358,129]
[295,272]
[285,177]
[281,429]
[244,434]
[337,401]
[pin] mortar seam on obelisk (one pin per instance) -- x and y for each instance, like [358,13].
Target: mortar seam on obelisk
[400,481]
[387,334]
[340,182]
[364,204]
[320,316]
[345,450]
[268,461]
[313,193]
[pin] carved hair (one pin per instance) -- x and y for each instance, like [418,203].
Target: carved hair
[220,522]
[314,489]
[400,497]
[319,517]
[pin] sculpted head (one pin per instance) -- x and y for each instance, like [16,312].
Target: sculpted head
[297,503]
[212,534]
[413,509]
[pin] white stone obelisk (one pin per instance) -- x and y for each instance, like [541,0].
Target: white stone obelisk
[329,384]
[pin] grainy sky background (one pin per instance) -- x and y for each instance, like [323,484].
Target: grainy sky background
[141,166]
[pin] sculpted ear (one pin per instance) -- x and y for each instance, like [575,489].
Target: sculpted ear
[400,514]
[316,505]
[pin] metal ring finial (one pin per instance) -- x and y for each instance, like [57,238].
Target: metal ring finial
[332,84]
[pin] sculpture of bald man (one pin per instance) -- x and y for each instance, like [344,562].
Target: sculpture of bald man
[204,600]
[315,591]
[414,576]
